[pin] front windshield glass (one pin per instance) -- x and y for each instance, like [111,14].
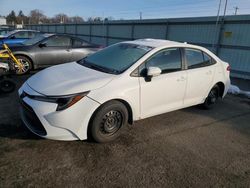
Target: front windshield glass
[35,40]
[9,33]
[3,32]
[116,58]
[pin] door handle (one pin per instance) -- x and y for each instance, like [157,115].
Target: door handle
[181,79]
[209,72]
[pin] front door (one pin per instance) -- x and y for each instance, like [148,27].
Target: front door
[57,50]
[164,92]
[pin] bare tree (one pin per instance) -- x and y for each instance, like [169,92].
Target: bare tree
[61,18]
[36,17]
[76,19]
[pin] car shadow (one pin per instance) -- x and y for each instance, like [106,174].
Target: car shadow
[17,131]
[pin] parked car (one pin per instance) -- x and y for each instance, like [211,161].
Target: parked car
[51,49]
[97,96]
[18,36]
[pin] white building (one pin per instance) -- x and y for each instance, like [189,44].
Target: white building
[2,21]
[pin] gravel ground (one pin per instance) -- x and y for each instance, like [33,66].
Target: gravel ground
[186,148]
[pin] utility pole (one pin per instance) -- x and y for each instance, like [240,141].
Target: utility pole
[140,15]
[221,28]
[216,24]
[236,10]
[225,9]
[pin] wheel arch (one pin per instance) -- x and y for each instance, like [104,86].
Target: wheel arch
[221,86]
[125,103]
[28,57]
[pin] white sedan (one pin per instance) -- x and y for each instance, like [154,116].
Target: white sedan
[97,96]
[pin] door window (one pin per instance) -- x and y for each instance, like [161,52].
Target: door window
[79,43]
[32,34]
[20,35]
[167,60]
[197,58]
[58,41]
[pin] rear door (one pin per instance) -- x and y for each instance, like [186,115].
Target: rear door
[57,50]
[200,73]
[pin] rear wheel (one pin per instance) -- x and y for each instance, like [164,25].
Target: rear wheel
[26,65]
[212,98]
[108,121]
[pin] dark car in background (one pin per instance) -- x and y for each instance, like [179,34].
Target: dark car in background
[18,36]
[51,49]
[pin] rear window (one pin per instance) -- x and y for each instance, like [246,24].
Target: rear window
[196,58]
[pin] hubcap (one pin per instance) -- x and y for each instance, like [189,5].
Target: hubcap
[25,66]
[111,122]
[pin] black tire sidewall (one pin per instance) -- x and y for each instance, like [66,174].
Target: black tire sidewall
[10,89]
[206,104]
[95,124]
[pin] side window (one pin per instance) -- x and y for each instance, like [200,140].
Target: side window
[208,60]
[79,43]
[58,41]
[197,58]
[168,60]
[31,34]
[20,35]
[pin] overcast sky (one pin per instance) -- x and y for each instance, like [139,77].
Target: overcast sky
[126,9]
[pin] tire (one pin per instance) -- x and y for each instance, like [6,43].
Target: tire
[7,86]
[108,121]
[212,98]
[27,65]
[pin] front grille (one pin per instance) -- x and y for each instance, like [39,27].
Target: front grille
[32,119]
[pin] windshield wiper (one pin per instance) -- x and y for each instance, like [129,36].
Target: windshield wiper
[98,67]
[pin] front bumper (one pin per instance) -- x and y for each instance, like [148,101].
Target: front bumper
[42,119]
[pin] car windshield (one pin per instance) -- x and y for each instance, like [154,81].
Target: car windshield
[35,40]
[116,58]
[3,32]
[9,33]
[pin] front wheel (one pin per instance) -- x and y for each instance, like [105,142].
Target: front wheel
[212,98]
[108,121]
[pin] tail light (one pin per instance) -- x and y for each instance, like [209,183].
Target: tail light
[228,68]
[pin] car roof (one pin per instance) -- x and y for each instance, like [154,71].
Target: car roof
[17,30]
[155,43]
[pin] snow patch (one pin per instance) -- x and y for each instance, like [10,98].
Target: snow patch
[233,89]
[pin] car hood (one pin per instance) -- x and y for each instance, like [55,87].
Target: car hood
[66,79]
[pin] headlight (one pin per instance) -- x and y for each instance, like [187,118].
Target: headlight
[63,102]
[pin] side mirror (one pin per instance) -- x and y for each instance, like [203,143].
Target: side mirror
[43,44]
[12,37]
[153,71]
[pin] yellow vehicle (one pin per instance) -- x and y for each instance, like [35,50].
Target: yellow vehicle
[7,56]
[8,64]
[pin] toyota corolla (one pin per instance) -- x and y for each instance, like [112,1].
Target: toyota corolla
[100,94]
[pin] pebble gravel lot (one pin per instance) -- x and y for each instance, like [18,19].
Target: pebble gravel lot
[186,148]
